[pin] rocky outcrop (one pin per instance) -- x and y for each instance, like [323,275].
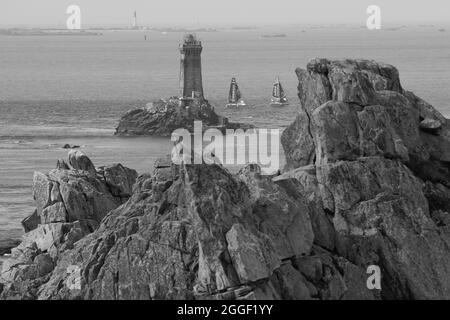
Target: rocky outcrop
[379,173]
[365,186]
[358,108]
[161,118]
[199,232]
[71,201]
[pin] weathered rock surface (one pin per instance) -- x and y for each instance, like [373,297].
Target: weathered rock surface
[71,201]
[364,112]
[366,186]
[161,118]
[193,232]
[379,173]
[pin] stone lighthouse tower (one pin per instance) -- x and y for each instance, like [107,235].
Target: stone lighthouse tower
[191,86]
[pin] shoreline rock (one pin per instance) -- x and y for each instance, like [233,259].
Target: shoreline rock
[71,201]
[364,185]
[375,147]
[161,118]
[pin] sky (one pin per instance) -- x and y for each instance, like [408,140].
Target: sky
[221,12]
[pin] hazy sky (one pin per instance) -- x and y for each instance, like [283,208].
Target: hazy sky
[222,12]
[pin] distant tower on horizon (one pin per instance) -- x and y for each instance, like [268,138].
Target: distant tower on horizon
[191,68]
[135,25]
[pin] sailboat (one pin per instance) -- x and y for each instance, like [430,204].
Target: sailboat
[278,96]
[234,96]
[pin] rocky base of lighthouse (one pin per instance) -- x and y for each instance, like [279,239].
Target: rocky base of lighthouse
[161,118]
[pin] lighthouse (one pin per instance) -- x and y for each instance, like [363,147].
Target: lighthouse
[191,86]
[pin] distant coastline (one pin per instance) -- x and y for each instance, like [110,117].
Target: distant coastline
[47,32]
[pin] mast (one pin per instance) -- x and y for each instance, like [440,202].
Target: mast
[276,89]
[231,94]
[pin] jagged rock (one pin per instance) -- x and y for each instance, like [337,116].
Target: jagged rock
[79,161]
[31,222]
[71,201]
[379,204]
[50,237]
[80,192]
[41,191]
[253,258]
[349,84]
[364,112]
[351,81]
[299,134]
[54,213]
[119,179]
[282,215]
[303,181]
[162,118]
[371,189]
[353,85]
[207,230]
[314,89]
[62,165]
[364,126]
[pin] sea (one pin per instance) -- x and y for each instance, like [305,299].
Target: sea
[57,90]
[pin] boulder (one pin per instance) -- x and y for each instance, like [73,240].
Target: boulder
[430,125]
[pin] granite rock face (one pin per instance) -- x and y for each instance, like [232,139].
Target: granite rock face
[379,172]
[71,201]
[198,232]
[358,108]
[365,185]
[161,118]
